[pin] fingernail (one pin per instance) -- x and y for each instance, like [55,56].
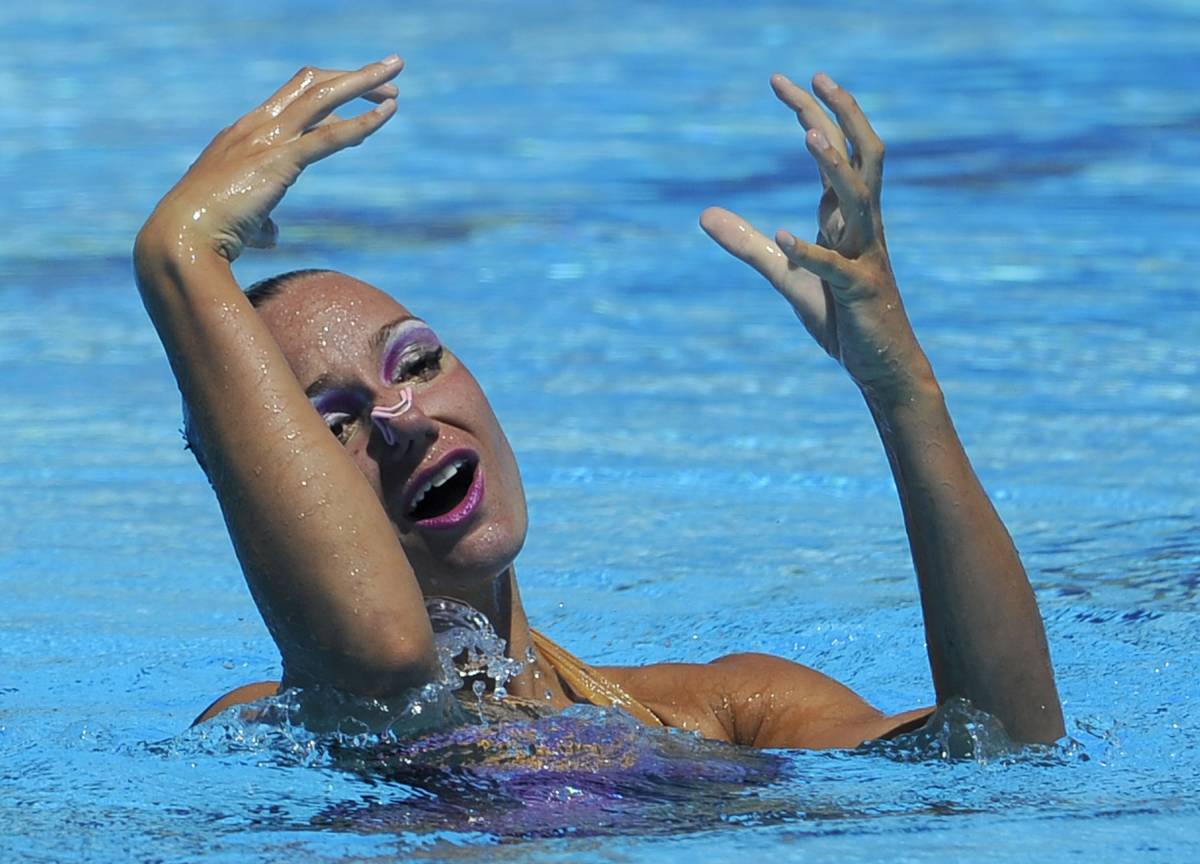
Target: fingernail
[787,241]
[825,81]
[390,60]
[820,140]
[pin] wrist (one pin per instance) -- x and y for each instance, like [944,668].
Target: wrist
[167,248]
[910,387]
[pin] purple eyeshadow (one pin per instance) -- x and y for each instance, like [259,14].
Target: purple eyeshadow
[409,333]
[336,402]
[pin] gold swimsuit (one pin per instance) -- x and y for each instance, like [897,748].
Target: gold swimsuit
[585,682]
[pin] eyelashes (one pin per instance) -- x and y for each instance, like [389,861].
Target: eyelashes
[414,356]
[343,426]
[416,365]
[340,414]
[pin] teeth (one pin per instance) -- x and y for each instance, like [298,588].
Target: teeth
[446,473]
[437,479]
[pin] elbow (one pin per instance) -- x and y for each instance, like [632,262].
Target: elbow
[387,665]
[390,666]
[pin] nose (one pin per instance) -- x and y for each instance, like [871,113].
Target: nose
[382,416]
[402,421]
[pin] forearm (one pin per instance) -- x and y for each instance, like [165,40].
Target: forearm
[984,633]
[319,554]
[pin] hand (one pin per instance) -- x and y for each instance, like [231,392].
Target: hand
[224,201]
[842,286]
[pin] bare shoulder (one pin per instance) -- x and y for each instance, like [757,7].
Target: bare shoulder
[240,696]
[760,700]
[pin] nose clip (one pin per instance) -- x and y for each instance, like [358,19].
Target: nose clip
[382,416]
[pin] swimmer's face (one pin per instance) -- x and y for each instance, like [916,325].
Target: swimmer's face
[442,467]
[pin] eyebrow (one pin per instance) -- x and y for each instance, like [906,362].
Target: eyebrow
[326,382]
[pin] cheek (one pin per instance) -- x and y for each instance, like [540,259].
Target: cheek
[357,449]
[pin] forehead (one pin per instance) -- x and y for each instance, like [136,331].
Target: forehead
[325,321]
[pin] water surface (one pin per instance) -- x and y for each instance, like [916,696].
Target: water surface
[536,200]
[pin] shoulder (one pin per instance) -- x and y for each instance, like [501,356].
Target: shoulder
[241,696]
[759,700]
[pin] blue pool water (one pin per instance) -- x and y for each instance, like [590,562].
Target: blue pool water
[701,479]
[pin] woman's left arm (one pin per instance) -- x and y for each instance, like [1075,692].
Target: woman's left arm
[984,633]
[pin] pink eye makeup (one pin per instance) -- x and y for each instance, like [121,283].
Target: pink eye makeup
[411,351]
[340,409]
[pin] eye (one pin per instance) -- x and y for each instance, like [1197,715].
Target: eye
[417,363]
[342,425]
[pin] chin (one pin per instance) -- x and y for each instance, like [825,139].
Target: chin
[469,561]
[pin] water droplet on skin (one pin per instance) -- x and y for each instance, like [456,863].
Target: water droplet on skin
[549,696]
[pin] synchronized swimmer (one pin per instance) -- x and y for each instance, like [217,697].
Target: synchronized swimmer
[401,485]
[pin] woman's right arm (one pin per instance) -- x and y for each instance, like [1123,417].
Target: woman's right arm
[319,553]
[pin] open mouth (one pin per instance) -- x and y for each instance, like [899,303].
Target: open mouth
[447,496]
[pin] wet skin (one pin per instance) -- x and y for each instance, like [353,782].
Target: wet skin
[352,347]
[318,459]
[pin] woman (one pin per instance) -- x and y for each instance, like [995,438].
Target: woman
[400,485]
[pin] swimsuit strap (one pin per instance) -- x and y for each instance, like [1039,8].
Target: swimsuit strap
[586,682]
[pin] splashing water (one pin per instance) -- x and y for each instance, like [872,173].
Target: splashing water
[512,772]
[956,731]
[467,647]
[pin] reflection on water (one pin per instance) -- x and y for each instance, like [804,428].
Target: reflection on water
[701,480]
[1148,560]
[590,772]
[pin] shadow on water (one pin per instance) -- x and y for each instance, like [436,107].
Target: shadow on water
[993,161]
[1153,559]
[365,228]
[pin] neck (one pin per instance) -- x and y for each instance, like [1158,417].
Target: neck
[500,602]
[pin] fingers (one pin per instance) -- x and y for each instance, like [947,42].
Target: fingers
[296,85]
[319,99]
[810,114]
[867,145]
[328,138]
[306,78]
[855,200]
[848,153]
[266,235]
[822,262]
[737,237]
[382,93]
[831,226]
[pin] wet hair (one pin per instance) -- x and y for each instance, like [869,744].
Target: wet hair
[258,294]
[264,289]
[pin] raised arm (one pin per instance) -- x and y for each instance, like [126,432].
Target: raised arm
[320,556]
[983,630]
